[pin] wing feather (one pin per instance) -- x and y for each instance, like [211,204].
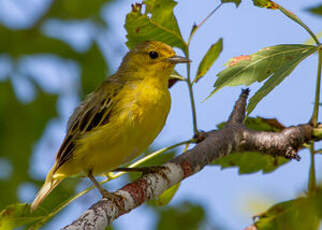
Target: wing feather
[93,112]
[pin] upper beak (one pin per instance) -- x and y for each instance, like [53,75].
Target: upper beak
[177,59]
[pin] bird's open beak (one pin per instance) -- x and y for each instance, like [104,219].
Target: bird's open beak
[177,59]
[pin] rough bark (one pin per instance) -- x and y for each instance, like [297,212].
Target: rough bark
[213,145]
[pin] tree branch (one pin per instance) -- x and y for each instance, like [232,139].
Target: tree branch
[232,138]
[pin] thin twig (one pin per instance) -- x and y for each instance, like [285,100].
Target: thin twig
[233,137]
[189,82]
[317,91]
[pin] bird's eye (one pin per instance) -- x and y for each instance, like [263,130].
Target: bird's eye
[153,55]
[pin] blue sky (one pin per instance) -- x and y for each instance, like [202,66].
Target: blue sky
[223,193]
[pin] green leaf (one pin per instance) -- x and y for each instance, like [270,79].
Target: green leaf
[272,61]
[237,2]
[156,23]
[186,216]
[72,9]
[266,4]
[94,69]
[251,162]
[21,125]
[176,75]
[276,79]
[260,124]
[264,124]
[209,59]
[26,42]
[316,10]
[166,196]
[286,215]
[16,215]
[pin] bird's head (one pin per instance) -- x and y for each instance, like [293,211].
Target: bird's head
[152,58]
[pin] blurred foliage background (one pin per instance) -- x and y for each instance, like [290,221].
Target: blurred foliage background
[52,53]
[50,57]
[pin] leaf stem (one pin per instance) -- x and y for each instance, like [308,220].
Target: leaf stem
[312,176]
[299,21]
[196,27]
[192,100]
[317,90]
[190,84]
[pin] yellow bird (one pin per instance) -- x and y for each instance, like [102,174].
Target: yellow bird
[117,121]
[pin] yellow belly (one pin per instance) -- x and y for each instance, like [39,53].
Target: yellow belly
[141,113]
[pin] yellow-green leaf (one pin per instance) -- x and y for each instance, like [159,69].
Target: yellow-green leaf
[277,78]
[237,2]
[276,62]
[266,4]
[250,162]
[317,10]
[16,215]
[21,125]
[186,215]
[166,196]
[286,215]
[209,59]
[156,23]
[26,42]
[72,9]
[176,75]
[311,41]
[94,68]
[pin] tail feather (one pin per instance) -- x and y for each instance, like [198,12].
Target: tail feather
[47,187]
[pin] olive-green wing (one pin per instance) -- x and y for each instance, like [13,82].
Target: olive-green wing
[93,112]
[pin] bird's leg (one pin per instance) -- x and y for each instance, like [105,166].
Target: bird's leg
[104,192]
[143,170]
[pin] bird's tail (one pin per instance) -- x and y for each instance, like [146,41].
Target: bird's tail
[50,183]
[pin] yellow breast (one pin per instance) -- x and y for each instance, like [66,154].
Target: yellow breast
[140,115]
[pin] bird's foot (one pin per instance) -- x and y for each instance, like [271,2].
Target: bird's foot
[143,170]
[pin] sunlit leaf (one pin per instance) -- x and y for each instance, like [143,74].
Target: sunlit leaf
[166,196]
[21,125]
[186,216]
[209,59]
[26,42]
[276,79]
[260,124]
[317,10]
[266,4]
[16,215]
[55,201]
[94,69]
[176,75]
[286,215]
[276,62]
[237,2]
[156,23]
[174,78]
[72,9]
[246,69]
[311,40]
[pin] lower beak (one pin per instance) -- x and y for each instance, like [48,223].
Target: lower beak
[178,59]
